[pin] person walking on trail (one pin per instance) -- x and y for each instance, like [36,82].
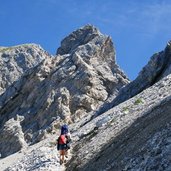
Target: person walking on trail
[63,143]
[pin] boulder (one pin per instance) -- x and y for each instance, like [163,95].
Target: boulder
[12,138]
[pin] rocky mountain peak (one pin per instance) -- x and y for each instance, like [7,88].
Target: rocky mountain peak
[93,48]
[83,86]
[86,39]
[79,37]
[67,87]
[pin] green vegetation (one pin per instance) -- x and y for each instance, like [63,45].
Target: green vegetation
[3,49]
[113,120]
[126,110]
[53,143]
[138,101]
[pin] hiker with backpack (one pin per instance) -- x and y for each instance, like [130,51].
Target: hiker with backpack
[63,143]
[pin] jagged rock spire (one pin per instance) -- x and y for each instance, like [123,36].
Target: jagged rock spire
[79,37]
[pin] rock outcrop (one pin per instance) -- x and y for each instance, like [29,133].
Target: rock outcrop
[12,138]
[16,60]
[64,88]
[158,67]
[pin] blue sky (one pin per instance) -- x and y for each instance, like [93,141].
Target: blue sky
[138,28]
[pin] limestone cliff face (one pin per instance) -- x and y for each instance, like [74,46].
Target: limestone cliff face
[64,88]
[17,60]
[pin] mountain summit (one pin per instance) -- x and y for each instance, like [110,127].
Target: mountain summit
[63,88]
[115,124]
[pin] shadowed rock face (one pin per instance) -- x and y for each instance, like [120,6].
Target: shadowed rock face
[158,67]
[64,88]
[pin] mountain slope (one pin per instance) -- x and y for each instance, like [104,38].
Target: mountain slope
[63,88]
[113,140]
[115,125]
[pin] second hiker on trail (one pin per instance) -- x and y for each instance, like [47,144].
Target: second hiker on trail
[63,143]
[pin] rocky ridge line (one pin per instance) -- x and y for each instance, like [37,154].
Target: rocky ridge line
[157,68]
[65,88]
[17,60]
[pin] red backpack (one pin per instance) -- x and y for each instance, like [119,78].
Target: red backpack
[62,139]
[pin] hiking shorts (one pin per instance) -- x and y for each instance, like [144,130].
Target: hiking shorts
[62,147]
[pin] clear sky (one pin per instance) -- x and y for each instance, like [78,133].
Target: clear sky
[138,28]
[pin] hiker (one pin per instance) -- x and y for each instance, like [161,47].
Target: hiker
[63,143]
[65,131]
